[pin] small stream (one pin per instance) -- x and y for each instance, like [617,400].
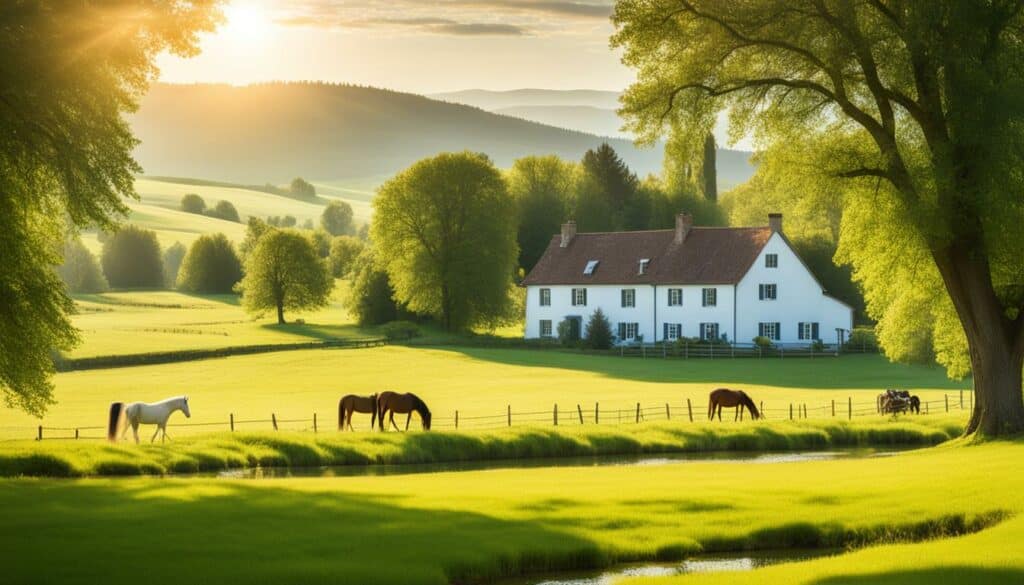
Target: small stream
[640,460]
[711,563]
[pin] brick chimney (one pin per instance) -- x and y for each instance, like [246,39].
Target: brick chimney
[775,222]
[684,221]
[568,233]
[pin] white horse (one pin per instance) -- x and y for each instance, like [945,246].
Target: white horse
[138,413]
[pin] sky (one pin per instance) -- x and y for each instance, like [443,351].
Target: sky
[411,45]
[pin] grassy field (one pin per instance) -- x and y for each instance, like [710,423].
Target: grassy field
[473,527]
[479,382]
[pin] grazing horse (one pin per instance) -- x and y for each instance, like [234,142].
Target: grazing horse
[392,402]
[352,403]
[894,401]
[138,413]
[723,397]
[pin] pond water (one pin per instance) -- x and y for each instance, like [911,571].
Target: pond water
[593,461]
[712,563]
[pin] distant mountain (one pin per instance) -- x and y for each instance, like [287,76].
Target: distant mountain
[492,100]
[599,121]
[270,133]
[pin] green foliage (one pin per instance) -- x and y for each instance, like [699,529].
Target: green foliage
[400,330]
[568,335]
[193,203]
[446,231]
[286,221]
[337,219]
[284,271]
[344,251]
[173,256]
[762,342]
[80,271]
[599,331]
[708,170]
[321,241]
[607,198]
[225,210]
[210,267]
[66,155]
[370,298]
[254,230]
[302,189]
[543,188]
[131,259]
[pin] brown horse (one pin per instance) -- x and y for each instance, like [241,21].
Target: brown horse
[352,403]
[723,397]
[393,402]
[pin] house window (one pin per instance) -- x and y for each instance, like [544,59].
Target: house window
[673,331]
[710,297]
[591,267]
[675,297]
[579,297]
[709,331]
[767,292]
[545,327]
[643,266]
[769,330]
[629,297]
[628,331]
[771,260]
[807,331]
[545,297]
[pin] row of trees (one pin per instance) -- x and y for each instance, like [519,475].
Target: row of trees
[193,203]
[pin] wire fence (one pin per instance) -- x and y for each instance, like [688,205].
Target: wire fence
[687,349]
[685,411]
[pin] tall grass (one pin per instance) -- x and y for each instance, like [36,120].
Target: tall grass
[222,451]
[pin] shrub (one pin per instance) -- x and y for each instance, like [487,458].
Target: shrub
[337,219]
[193,203]
[400,330]
[862,338]
[172,262]
[370,299]
[344,250]
[80,270]
[210,267]
[131,258]
[599,331]
[817,345]
[762,342]
[226,211]
[567,334]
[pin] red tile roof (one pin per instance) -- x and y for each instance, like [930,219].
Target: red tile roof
[707,256]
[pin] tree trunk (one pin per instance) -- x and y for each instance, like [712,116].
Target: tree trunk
[280,312]
[995,342]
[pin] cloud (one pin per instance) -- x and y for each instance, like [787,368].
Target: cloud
[577,9]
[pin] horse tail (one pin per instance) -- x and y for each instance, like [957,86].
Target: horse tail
[116,420]
[711,406]
[341,414]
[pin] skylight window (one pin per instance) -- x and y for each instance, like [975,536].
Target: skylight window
[643,265]
[591,267]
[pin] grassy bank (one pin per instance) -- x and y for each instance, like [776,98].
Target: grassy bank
[474,527]
[221,451]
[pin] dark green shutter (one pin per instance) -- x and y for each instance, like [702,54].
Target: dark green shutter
[778,330]
[814,331]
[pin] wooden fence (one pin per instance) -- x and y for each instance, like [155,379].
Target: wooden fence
[684,411]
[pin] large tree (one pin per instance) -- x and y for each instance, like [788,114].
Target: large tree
[607,198]
[69,71]
[445,230]
[916,105]
[543,189]
[210,267]
[337,219]
[284,271]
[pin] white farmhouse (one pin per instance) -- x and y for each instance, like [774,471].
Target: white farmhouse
[707,282]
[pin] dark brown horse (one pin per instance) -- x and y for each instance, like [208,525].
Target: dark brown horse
[723,397]
[352,403]
[393,402]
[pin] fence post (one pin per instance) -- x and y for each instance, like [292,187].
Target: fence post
[926,407]
[849,407]
[579,409]
[689,409]
[456,420]
[762,407]
[273,419]
[39,436]
[805,410]
[597,412]
[833,409]
[232,422]
[790,411]
[961,400]
[946,396]
[643,350]
[555,414]
[76,434]
[668,414]
[637,412]
[314,422]
[509,415]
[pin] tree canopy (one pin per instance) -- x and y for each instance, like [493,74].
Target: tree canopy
[284,271]
[132,259]
[445,231]
[80,271]
[336,219]
[65,152]
[210,267]
[911,109]
[543,188]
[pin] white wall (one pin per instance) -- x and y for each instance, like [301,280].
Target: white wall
[799,299]
[607,297]
[692,313]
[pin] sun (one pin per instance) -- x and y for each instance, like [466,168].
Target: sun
[245,22]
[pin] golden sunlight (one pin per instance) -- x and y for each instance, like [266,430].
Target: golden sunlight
[245,21]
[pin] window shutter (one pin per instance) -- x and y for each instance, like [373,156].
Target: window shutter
[799,330]
[622,295]
[760,292]
[760,329]
[622,331]
[778,330]
[814,331]
[584,297]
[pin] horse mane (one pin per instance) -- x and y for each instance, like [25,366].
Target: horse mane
[754,412]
